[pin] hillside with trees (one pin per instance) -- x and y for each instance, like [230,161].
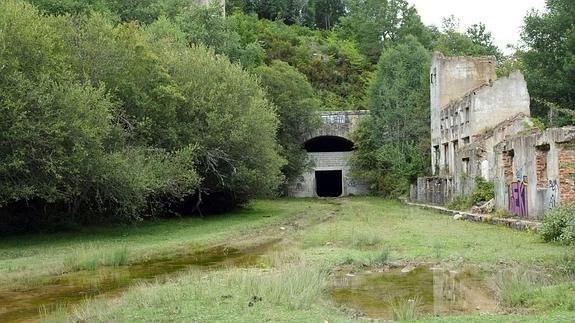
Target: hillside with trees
[121,110]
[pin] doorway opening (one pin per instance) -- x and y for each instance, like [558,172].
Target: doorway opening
[329,183]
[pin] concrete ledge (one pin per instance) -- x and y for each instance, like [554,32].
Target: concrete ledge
[511,223]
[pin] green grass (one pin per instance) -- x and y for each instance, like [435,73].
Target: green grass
[90,258]
[318,237]
[405,310]
[226,296]
[30,259]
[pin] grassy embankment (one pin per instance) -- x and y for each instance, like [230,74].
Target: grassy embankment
[317,237]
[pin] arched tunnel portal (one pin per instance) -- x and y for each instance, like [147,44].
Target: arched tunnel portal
[330,149]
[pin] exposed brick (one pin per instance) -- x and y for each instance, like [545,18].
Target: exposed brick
[567,172]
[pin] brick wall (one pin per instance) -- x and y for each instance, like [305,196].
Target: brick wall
[567,174]
[541,168]
[508,164]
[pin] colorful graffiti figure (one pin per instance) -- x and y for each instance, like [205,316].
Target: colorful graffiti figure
[518,198]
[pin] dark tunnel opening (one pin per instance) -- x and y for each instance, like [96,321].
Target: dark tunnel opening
[325,144]
[329,183]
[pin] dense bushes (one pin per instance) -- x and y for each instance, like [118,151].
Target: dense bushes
[102,121]
[559,225]
[392,145]
[291,92]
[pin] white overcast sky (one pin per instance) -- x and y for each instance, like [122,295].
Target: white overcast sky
[503,18]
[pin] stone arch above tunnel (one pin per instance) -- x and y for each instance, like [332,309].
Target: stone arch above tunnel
[338,123]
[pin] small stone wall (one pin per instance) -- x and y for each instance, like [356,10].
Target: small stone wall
[516,224]
[436,190]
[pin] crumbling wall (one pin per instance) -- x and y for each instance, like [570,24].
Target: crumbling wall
[533,172]
[452,78]
[498,101]
[436,190]
[567,172]
[477,158]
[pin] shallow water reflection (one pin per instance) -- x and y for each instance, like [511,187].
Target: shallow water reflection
[25,304]
[435,291]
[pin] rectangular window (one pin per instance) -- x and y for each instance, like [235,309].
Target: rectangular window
[466,141]
[466,116]
[466,166]
[445,154]
[508,163]
[541,165]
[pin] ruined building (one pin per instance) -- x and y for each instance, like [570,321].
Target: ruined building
[329,148]
[481,127]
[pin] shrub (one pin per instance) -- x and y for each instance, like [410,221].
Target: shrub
[460,203]
[484,191]
[559,225]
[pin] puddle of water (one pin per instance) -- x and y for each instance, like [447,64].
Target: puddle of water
[436,291]
[25,304]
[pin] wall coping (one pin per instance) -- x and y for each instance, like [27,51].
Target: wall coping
[516,224]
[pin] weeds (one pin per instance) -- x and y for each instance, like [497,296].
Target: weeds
[90,259]
[517,287]
[405,310]
[358,258]
[366,239]
[296,286]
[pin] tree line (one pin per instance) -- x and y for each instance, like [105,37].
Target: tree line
[122,110]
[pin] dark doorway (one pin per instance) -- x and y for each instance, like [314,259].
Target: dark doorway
[328,183]
[327,144]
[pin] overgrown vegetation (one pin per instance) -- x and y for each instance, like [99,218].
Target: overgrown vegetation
[559,225]
[289,282]
[390,143]
[483,191]
[548,61]
[405,310]
[118,121]
[108,85]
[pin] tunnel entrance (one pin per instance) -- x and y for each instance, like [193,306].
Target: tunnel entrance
[329,183]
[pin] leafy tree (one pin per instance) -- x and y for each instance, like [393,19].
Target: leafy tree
[207,26]
[392,145]
[334,66]
[296,104]
[64,159]
[122,58]
[477,41]
[144,11]
[226,115]
[103,121]
[290,11]
[378,24]
[549,60]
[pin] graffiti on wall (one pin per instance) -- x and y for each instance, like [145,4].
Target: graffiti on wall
[554,188]
[334,119]
[518,197]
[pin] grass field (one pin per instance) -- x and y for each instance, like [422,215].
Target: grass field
[307,244]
